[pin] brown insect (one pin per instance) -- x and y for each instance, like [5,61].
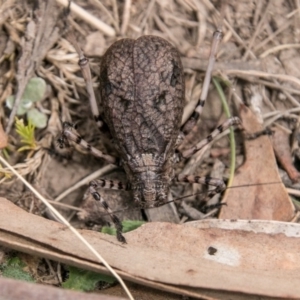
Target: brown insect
[142,93]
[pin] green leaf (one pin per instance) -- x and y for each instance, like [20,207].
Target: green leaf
[37,118]
[14,268]
[35,89]
[82,280]
[128,225]
[23,107]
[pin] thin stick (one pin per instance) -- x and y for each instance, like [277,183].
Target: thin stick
[255,73]
[126,16]
[279,48]
[86,180]
[65,206]
[256,33]
[273,35]
[87,17]
[86,72]
[65,222]
[104,9]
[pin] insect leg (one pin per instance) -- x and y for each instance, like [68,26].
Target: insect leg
[192,120]
[234,121]
[207,180]
[109,184]
[69,133]
[255,135]
[83,62]
[102,183]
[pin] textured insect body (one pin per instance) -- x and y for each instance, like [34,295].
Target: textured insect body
[142,93]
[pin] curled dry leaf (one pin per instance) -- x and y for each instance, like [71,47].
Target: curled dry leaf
[266,198]
[234,257]
[283,151]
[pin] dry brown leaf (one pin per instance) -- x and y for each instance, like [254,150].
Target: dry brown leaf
[266,198]
[283,151]
[172,257]
[17,290]
[3,138]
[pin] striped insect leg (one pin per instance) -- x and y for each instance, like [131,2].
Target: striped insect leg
[69,133]
[102,183]
[234,121]
[207,180]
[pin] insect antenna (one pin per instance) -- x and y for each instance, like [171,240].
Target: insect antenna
[213,193]
[206,208]
[254,184]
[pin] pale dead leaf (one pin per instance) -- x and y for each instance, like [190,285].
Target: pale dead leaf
[95,44]
[261,200]
[176,258]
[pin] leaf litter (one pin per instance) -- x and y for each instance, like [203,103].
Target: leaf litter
[259,52]
[259,252]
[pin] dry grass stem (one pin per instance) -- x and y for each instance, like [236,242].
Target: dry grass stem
[126,16]
[85,181]
[87,17]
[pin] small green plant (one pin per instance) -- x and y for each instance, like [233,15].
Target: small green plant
[83,280]
[3,173]
[128,225]
[14,268]
[34,92]
[26,132]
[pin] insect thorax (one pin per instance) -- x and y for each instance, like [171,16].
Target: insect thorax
[149,177]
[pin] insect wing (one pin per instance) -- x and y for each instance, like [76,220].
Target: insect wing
[142,93]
